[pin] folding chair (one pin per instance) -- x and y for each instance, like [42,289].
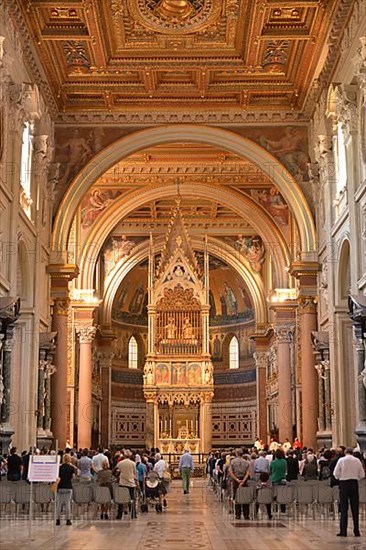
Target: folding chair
[305,497]
[102,495]
[121,495]
[82,495]
[264,497]
[42,495]
[246,495]
[284,495]
[7,493]
[22,495]
[325,498]
[362,495]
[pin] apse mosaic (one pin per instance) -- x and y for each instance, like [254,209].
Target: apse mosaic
[229,297]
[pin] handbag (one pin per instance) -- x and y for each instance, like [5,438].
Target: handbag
[54,485]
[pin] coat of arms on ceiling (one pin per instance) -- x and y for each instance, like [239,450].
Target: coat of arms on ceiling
[172,16]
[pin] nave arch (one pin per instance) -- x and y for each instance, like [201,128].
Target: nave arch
[218,137]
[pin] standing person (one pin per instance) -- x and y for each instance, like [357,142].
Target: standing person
[98,460]
[239,473]
[297,445]
[14,465]
[261,465]
[286,446]
[186,467]
[160,467]
[127,478]
[104,479]
[292,466]
[64,489]
[349,471]
[85,466]
[278,469]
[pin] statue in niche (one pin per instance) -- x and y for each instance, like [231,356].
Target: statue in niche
[209,374]
[230,300]
[187,329]
[137,300]
[170,329]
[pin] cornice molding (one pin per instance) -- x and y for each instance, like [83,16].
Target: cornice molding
[152,118]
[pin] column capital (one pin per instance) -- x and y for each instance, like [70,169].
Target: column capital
[61,306]
[284,334]
[261,359]
[105,357]
[86,334]
[307,304]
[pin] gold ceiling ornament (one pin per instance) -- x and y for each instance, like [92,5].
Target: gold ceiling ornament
[175,16]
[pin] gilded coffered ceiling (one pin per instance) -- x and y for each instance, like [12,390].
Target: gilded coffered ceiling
[226,55]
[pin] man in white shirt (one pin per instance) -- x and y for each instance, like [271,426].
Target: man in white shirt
[98,460]
[127,478]
[349,471]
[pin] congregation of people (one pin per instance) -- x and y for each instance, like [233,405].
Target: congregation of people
[263,466]
[102,467]
[267,466]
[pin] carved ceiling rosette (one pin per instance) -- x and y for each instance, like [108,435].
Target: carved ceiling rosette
[175,16]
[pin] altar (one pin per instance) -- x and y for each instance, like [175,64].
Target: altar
[177,446]
[178,372]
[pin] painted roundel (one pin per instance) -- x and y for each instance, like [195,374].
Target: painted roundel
[175,16]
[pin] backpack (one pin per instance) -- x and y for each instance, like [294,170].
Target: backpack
[325,472]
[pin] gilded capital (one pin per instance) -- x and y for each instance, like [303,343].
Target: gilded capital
[307,304]
[86,334]
[61,306]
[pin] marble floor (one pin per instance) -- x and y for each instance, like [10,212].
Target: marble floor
[194,522]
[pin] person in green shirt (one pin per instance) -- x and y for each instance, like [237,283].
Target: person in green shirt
[278,469]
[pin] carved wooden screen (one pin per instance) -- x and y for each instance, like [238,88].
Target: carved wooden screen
[178,323]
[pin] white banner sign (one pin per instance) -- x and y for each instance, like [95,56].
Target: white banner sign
[43,468]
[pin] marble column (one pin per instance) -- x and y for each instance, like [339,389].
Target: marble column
[150,426]
[206,424]
[41,391]
[6,373]
[85,409]
[261,363]
[59,399]
[284,338]
[309,377]
[105,357]
[357,312]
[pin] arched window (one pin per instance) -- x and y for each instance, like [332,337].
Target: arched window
[340,159]
[26,167]
[132,353]
[234,353]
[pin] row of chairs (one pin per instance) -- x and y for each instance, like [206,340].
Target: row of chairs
[314,497]
[84,495]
